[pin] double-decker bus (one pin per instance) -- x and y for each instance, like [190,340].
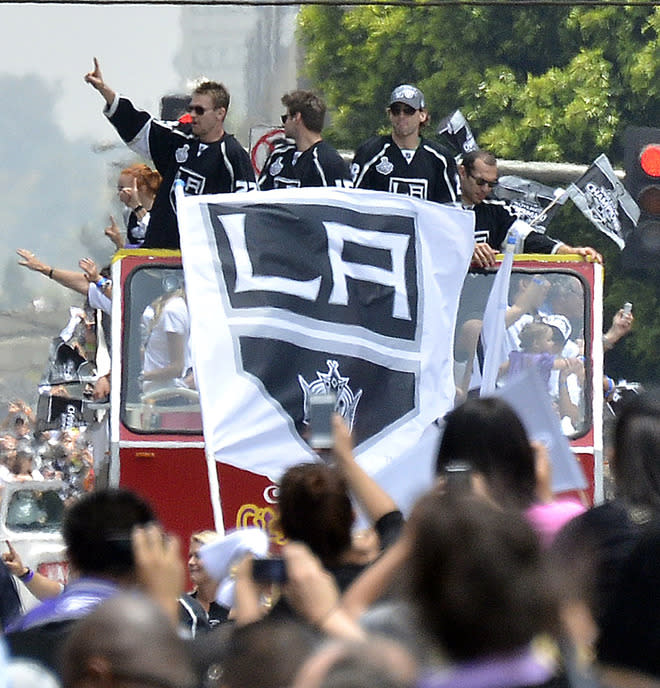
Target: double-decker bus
[157,445]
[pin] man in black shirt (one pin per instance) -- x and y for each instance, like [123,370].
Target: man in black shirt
[494,219]
[403,161]
[303,158]
[206,159]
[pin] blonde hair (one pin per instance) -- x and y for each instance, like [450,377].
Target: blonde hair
[203,537]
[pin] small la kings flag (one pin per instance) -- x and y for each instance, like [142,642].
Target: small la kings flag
[605,202]
[530,200]
[456,132]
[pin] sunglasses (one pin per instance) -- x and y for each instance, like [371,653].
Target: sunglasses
[398,108]
[480,181]
[284,118]
[197,109]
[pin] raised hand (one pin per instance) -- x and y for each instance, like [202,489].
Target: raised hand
[30,261]
[95,79]
[129,195]
[89,267]
[13,560]
[113,233]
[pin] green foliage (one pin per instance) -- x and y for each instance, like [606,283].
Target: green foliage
[536,83]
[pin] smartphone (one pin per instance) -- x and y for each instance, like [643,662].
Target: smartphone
[321,408]
[458,477]
[269,571]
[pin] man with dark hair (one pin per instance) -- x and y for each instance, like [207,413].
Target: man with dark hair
[97,532]
[479,585]
[207,159]
[403,161]
[494,219]
[315,508]
[309,160]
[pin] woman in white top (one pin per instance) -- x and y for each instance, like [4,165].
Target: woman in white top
[166,342]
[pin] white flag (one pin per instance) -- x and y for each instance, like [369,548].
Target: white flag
[296,292]
[493,330]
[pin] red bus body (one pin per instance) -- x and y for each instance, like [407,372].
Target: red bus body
[191,492]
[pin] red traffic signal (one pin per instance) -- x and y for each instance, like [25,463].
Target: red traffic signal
[642,165]
[649,159]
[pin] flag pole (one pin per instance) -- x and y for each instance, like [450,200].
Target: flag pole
[552,204]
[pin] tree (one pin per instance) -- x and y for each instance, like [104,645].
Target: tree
[556,83]
[543,83]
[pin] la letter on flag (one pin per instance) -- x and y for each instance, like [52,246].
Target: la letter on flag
[293,293]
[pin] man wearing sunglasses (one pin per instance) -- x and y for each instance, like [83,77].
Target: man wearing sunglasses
[303,158]
[205,157]
[494,219]
[403,161]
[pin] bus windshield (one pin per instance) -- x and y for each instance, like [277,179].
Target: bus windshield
[159,392]
[546,317]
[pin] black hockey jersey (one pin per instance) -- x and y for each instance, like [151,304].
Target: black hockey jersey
[432,175]
[219,167]
[319,165]
[493,220]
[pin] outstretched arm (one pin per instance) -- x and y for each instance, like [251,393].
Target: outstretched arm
[67,278]
[95,79]
[40,586]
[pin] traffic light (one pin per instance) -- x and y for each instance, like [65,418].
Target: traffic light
[642,165]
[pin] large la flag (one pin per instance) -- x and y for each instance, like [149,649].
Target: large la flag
[296,292]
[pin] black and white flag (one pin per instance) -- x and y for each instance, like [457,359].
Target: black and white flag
[293,293]
[530,200]
[455,130]
[605,202]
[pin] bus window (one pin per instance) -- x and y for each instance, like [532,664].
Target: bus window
[158,389]
[545,329]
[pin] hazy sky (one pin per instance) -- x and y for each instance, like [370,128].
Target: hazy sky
[135,46]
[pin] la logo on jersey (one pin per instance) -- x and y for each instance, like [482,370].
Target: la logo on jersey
[417,188]
[193,184]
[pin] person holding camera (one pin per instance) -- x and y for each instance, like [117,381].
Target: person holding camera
[112,544]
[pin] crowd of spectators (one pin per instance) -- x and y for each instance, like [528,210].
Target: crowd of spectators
[491,581]
[29,454]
